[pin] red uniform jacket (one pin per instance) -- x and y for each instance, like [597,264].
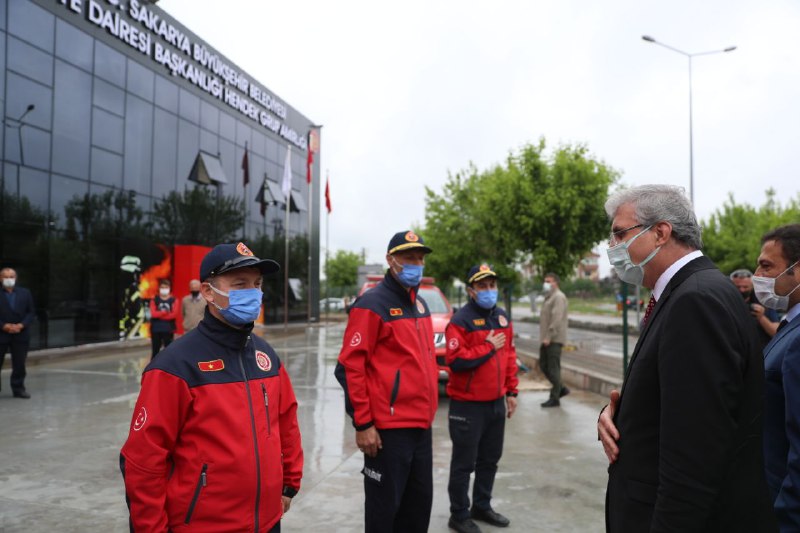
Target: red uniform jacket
[214,440]
[387,365]
[479,372]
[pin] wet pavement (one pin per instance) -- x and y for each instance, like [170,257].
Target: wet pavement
[59,451]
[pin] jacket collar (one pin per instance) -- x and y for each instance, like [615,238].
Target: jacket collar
[395,286]
[223,334]
[480,310]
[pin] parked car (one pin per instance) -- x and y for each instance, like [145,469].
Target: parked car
[334,304]
[441,313]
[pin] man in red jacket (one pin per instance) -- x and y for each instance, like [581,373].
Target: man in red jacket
[387,368]
[214,443]
[483,391]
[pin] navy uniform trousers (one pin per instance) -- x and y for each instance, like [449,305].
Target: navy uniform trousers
[398,482]
[476,429]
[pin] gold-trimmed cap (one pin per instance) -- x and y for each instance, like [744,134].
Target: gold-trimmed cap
[479,272]
[406,240]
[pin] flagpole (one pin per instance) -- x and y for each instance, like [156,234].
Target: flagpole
[286,270]
[246,169]
[310,221]
[327,250]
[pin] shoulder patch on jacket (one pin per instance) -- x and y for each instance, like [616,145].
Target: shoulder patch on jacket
[263,361]
[211,366]
[502,320]
[396,311]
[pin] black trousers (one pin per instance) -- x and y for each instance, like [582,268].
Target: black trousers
[19,353]
[159,340]
[398,482]
[476,429]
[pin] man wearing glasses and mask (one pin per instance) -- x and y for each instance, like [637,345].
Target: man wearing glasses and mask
[766,318]
[683,436]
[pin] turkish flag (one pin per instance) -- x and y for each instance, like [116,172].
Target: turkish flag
[246,167]
[328,194]
[211,366]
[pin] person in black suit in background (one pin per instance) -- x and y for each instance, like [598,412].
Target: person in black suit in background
[16,315]
[683,437]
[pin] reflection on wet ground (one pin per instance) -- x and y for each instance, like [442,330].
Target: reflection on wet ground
[59,450]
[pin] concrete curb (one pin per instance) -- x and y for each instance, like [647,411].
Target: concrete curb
[575,376]
[591,326]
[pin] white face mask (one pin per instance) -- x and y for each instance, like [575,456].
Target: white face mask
[765,291]
[9,283]
[546,287]
[163,292]
[620,259]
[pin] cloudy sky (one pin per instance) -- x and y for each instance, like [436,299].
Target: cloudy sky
[410,91]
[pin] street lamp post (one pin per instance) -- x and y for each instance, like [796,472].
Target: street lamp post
[691,141]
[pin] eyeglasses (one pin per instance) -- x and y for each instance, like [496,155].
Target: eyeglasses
[741,273]
[617,236]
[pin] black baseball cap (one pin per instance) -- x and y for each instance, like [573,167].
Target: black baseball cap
[226,257]
[479,272]
[406,240]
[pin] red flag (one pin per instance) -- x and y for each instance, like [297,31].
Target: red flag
[246,167]
[261,197]
[328,194]
[313,146]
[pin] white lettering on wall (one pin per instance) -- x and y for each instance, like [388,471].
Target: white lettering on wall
[139,26]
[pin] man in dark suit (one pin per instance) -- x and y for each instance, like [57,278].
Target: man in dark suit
[683,436]
[776,284]
[16,315]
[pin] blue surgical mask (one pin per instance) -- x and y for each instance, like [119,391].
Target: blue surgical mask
[486,299]
[410,275]
[620,259]
[244,305]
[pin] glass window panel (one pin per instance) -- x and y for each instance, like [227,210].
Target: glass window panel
[243,133]
[109,97]
[32,23]
[138,145]
[23,92]
[209,142]
[106,130]
[190,107]
[272,149]
[209,116]
[259,142]
[188,146]
[73,45]
[30,61]
[71,119]
[33,185]
[36,147]
[106,167]
[227,126]
[140,80]
[10,178]
[166,94]
[2,14]
[227,157]
[165,143]
[64,191]
[109,64]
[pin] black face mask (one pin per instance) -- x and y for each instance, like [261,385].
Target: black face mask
[195,293]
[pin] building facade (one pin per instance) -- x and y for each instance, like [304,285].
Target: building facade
[125,137]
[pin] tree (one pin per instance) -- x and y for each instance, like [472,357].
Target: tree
[548,210]
[111,214]
[341,270]
[197,216]
[732,235]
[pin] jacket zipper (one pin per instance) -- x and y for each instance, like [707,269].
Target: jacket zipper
[395,390]
[201,483]
[266,405]
[424,363]
[497,361]
[253,428]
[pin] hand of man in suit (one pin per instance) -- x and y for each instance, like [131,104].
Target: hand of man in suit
[606,430]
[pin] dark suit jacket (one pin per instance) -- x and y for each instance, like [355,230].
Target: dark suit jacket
[782,424]
[24,312]
[689,416]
